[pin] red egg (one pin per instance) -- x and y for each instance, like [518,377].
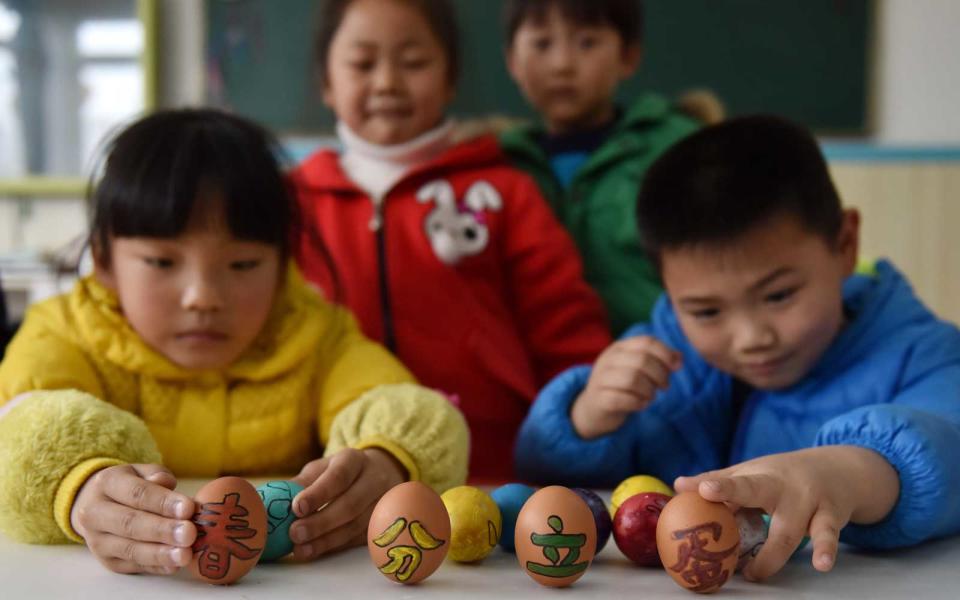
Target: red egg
[409,533]
[231,530]
[555,536]
[635,527]
[698,542]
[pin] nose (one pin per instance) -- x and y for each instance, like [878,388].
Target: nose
[754,335]
[386,77]
[202,293]
[562,56]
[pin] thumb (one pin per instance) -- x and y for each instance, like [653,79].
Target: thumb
[157,474]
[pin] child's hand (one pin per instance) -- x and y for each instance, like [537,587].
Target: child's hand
[346,485]
[815,491]
[133,521]
[625,379]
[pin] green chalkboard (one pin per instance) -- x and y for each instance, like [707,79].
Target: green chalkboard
[805,59]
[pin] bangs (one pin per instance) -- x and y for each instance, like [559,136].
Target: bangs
[164,170]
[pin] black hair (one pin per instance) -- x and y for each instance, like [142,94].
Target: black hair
[726,179]
[440,15]
[625,16]
[158,171]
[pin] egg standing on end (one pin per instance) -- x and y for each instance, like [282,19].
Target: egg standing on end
[231,530]
[698,542]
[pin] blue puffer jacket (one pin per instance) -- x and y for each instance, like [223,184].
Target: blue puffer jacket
[889,382]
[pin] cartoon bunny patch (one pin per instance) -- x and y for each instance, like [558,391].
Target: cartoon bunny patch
[457,229]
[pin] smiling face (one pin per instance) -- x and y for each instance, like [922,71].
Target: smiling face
[765,306]
[570,72]
[199,299]
[387,76]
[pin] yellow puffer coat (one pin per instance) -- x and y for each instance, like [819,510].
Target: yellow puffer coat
[301,386]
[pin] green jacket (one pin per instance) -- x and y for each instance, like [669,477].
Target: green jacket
[599,207]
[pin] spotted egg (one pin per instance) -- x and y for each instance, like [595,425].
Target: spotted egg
[231,530]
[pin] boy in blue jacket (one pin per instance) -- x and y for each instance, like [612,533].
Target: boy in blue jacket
[770,376]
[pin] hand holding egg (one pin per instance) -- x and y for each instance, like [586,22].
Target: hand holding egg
[133,521]
[818,490]
[346,485]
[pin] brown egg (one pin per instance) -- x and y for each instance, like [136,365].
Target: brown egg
[698,542]
[555,536]
[409,533]
[231,530]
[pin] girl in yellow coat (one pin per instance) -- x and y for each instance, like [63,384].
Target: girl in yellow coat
[194,346]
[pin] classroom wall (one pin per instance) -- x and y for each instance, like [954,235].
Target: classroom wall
[908,206]
[917,85]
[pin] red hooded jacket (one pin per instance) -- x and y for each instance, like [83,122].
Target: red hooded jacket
[466,275]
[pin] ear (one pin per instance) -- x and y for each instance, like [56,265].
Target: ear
[631,56]
[102,269]
[510,59]
[848,240]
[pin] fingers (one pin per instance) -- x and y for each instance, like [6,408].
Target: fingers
[788,525]
[135,525]
[669,358]
[337,476]
[825,533]
[130,556]
[351,534]
[127,487]
[157,474]
[349,508]
[758,490]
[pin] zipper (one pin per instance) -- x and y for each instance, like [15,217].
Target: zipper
[386,312]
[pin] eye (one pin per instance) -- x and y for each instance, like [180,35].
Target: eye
[158,262]
[780,296]
[587,42]
[541,43]
[705,314]
[415,64]
[361,65]
[244,265]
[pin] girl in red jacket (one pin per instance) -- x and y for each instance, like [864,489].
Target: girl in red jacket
[446,254]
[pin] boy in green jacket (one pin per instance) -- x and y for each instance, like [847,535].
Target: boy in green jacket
[589,156]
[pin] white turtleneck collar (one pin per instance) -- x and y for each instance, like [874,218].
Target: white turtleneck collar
[376,169]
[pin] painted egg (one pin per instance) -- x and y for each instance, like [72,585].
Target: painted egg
[753,534]
[698,542]
[555,536]
[409,533]
[277,497]
[635,527]
[601,516]
[231,530]
[510,498]
[475,523]
[638,484]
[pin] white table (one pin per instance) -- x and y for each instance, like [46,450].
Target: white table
[929,571]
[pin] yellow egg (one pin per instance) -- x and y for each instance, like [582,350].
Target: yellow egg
[475,523]
[638,484]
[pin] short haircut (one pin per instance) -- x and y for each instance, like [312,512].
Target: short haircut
[439,14]
[724,180]
[157,171]
[625,16]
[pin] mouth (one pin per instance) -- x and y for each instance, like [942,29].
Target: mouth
[389,112]
[202,336]
[766,367]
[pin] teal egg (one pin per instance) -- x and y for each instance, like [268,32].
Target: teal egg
[277,498]
[510,499]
